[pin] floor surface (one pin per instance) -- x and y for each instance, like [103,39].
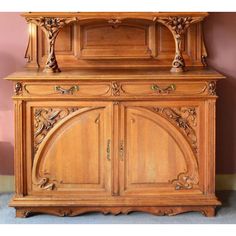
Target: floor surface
[226,214]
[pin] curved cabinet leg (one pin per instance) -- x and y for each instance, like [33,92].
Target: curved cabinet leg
[22,212]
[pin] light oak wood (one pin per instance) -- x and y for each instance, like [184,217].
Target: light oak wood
[115,139]
[89,40]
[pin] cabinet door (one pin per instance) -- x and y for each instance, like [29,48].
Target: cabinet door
[70,148]
[159,148]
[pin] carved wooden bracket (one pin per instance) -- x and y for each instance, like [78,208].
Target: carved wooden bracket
[178,27]
[51,27]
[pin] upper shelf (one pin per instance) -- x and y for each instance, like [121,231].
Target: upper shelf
[116,74]
[97,15]
[115,39]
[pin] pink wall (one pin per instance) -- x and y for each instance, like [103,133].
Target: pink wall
[220,35]
[13,40]
[220,38]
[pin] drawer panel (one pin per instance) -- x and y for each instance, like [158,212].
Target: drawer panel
[70,89]
[163,88]
[116,89]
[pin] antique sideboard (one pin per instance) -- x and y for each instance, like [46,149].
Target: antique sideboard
[115,112]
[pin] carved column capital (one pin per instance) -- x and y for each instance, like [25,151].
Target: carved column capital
[51,26]
[178,26]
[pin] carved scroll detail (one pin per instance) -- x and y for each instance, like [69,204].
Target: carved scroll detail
[115,210]
[51,27]
[45,119]
[183,117]
[115,23]
[44,184]
[18,89]
[184,181]
[178,26]
[115,87]
[212,88]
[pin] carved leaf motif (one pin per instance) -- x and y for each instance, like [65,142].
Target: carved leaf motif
[178,61]
[183,117]
[184,181]
[45,119]
[44,184]
[178,24]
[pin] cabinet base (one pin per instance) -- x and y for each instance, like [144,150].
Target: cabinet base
[74,211]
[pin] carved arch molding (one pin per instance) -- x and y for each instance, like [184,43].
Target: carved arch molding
[183,118]
[185,121]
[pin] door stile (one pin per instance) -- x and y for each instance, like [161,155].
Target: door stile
[121,152]
[115,144]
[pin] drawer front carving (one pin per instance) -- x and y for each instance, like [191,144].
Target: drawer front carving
[163,88]
[75,89]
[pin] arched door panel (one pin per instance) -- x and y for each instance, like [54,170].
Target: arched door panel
[157,157]
[70,156]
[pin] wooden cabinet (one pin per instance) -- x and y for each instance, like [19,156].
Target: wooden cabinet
[121,139]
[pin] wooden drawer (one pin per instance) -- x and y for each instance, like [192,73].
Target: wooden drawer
[68,89]
[163,88]
[116,89]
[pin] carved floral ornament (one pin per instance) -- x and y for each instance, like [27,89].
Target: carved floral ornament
[178,26]
[45,119]
[51,26]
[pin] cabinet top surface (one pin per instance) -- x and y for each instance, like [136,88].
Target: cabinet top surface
[109,74]
[83,15]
